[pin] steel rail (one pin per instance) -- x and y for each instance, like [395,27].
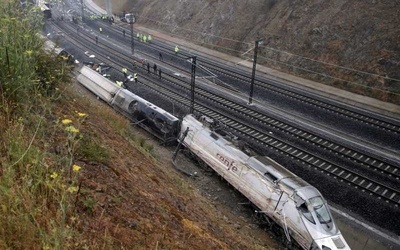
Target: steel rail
[364,183]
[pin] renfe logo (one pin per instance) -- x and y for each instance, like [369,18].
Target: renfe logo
[227,162]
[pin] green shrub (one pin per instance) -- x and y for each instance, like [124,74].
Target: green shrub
[92,151]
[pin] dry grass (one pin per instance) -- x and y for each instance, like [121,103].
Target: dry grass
[75,175]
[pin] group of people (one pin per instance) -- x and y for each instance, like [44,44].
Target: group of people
[127,78]
[143,38]
[134,77]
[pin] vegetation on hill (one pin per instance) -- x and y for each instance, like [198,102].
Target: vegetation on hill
[351,45]
[76,175]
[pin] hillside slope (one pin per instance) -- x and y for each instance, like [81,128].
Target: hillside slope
[360,35]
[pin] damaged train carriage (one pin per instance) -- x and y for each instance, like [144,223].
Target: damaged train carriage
[150,117]
[282,196]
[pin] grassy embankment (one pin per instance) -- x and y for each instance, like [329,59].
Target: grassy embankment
[39,174]
[73,173]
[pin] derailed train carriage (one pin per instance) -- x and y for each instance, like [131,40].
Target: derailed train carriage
[50,47]
[45,8]
[279,194]
[145,114]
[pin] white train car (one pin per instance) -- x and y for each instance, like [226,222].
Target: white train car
[149,116]
[50,47]
[282,196]
[44,8]
[97,84]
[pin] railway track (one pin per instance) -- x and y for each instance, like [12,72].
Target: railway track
[384,123]
[372,163]
[382,191]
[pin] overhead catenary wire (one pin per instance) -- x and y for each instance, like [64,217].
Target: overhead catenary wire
[310,71]
[332,77]
[277,50]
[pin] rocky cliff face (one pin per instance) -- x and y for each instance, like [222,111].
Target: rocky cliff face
[362,35]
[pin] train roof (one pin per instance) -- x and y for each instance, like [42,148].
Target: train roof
[263,165]
[49,46]
[98,84]
[43,5]
[275,172]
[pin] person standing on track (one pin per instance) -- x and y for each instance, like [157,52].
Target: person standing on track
[159,72]
[176,50]
[144,38]
[148,67]
[160,57]
[155,68]
[125,71]
[149,38]
[135,77]
[97,40]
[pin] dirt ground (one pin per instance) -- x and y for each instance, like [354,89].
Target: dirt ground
[140,201]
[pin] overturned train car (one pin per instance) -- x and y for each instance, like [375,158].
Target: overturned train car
[145,114]
[283,197]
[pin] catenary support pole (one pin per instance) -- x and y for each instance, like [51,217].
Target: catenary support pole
[132,41]
[83,15]
[253,74]
[192,83]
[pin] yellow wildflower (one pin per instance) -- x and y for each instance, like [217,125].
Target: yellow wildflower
[76,168]
[66,121]
[29,52]
[72,189]
[72,129]
[82,114]
[54,175]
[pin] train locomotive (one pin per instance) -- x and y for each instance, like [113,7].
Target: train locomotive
[280,195]
[145,114]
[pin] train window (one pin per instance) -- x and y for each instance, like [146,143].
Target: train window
[119,99]
[302,207]
[214,136]
[160,124]
[132,106]
[307,214]
[320,210]
[270,176]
